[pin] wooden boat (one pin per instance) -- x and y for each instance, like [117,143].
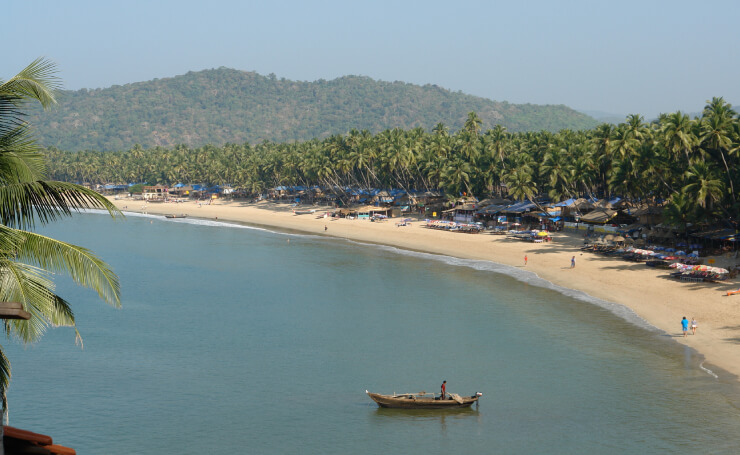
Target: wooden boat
[423,400]
[182,215]
[303,212]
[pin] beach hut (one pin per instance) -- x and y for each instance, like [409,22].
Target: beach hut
[156,193]
[599,216]
[367,211]
[646,214]
[462,213]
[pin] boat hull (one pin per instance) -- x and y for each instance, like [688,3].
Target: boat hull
[411,401]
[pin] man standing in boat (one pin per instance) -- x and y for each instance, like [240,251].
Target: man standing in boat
[444,390]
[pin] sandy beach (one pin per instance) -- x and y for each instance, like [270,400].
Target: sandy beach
[649,292]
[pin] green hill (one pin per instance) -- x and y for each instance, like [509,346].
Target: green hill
[225,105]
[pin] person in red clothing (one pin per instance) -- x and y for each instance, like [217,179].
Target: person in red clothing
[444,390]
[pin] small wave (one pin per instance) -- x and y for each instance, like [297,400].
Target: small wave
[708,371]
[214,223]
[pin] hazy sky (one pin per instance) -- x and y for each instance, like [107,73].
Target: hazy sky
[621,57]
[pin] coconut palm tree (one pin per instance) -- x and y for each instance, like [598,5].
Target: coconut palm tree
[704,185]
[717,133]
[27,259]
[678,134]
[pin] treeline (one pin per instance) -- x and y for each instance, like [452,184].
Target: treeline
[693,164]
[228,106]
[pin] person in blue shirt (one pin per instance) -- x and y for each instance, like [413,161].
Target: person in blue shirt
[685,326]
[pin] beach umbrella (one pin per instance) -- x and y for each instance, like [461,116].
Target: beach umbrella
[720,270]
[670,258]
[670,250]
[609,237]
[619,238]
[676,265]
[680,253]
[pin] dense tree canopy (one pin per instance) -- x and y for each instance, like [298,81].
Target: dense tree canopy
[693,163]
[224,105]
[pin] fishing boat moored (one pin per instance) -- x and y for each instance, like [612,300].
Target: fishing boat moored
[423,400]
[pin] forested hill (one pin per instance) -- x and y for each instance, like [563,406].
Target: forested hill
[224,105]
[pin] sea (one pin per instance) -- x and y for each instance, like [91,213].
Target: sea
[235,339]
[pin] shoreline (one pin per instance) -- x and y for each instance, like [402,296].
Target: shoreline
[649,293]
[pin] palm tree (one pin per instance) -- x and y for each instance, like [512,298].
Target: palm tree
[473,124]
[717,131]
[497,143]
[28,260]
[703,185]
[520,184]
[678,135]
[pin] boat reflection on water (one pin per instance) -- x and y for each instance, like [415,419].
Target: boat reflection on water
[385,416]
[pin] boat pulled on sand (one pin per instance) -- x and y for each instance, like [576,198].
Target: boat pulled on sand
[423,400]
[182,215]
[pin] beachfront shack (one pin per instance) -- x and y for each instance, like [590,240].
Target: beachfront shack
[599,216]
[156,193]
[521,210]
[646,214]
[364,212]
[461,213]
[111,189]
[368,211]
[181,190]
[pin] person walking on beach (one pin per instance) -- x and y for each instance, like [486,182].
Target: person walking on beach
[525,259]
[443,390]
[573,262]
[325,228]
[693,325]
[685,326]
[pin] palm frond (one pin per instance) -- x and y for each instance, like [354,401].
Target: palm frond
[30,286]
[79,263]
[22,203]
[37,81]
[20,160]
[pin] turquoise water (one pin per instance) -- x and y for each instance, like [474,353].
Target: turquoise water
[240,340]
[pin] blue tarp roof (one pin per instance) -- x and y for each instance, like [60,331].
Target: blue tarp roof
[519,207]
[564,203]
[550,214]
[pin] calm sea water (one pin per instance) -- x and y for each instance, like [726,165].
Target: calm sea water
[239,340]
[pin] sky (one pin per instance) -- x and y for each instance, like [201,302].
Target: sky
[628,57]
